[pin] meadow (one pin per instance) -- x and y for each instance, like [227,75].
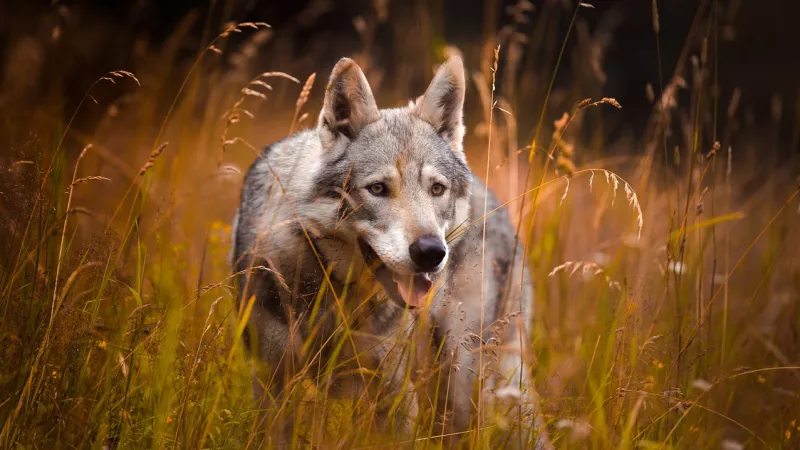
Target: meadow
[666,264]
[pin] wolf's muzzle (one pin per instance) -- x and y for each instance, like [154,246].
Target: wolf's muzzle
[427,252]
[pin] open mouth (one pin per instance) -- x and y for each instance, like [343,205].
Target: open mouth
[405,290]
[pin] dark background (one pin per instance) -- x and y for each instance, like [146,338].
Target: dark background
[758,43]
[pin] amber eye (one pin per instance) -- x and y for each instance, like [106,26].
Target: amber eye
[378,189]
[437,189]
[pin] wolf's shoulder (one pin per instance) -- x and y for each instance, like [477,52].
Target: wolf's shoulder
[500,231]
[277,160]
[497,214]
[280,156]
[291,146]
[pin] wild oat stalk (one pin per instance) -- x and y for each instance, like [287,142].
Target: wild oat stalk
[7,433]
[483,247]
[301,101]
[210,48]
[87,95]
[630,195]
[152,159]
[75,180]
[611,178]
[534,143]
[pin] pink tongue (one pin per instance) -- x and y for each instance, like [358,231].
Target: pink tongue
[414,289]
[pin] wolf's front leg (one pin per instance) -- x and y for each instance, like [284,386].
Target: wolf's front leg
[394,395]
[271,373]
[507,390]
[511,393]
[397,413]
[456,405]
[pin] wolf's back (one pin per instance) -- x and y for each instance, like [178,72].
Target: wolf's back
[265,231]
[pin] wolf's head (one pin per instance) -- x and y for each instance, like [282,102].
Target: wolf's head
[393,182]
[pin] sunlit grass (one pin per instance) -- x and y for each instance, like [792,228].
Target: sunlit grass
[666,290]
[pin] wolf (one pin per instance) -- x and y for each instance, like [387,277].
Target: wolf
[369,230]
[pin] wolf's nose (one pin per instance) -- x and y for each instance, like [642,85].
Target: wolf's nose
[427,252]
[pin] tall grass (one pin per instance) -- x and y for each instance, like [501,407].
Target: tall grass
[666,269]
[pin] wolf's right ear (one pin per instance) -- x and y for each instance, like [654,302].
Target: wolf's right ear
[349,105]
[442,105]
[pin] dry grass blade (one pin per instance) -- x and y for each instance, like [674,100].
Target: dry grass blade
[79,210]
[656,26]
[566,190]
[253,93]
[586,268]
[278,75]
[121,324]
[255,25]
[483,243]
[71,280]
[125,74]
[7,429]
[614,181]
[587,103]
[262,84]
[15,164]
[90,178]
[152,159]
[305,93]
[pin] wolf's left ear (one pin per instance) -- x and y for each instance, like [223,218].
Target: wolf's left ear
[349,105]
[442,105]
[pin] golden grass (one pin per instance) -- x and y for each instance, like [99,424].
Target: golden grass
[664,321]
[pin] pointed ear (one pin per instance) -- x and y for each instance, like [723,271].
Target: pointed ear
[442,105]
[349,105]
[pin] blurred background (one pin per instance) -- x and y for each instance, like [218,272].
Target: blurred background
[55,50]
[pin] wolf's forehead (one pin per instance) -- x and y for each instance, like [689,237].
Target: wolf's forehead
[402,143]
[401,133]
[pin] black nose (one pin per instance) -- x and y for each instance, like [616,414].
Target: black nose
[427,252]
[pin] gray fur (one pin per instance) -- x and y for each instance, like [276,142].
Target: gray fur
[305,204]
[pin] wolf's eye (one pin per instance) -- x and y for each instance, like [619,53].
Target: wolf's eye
[378,189]
[437,189]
